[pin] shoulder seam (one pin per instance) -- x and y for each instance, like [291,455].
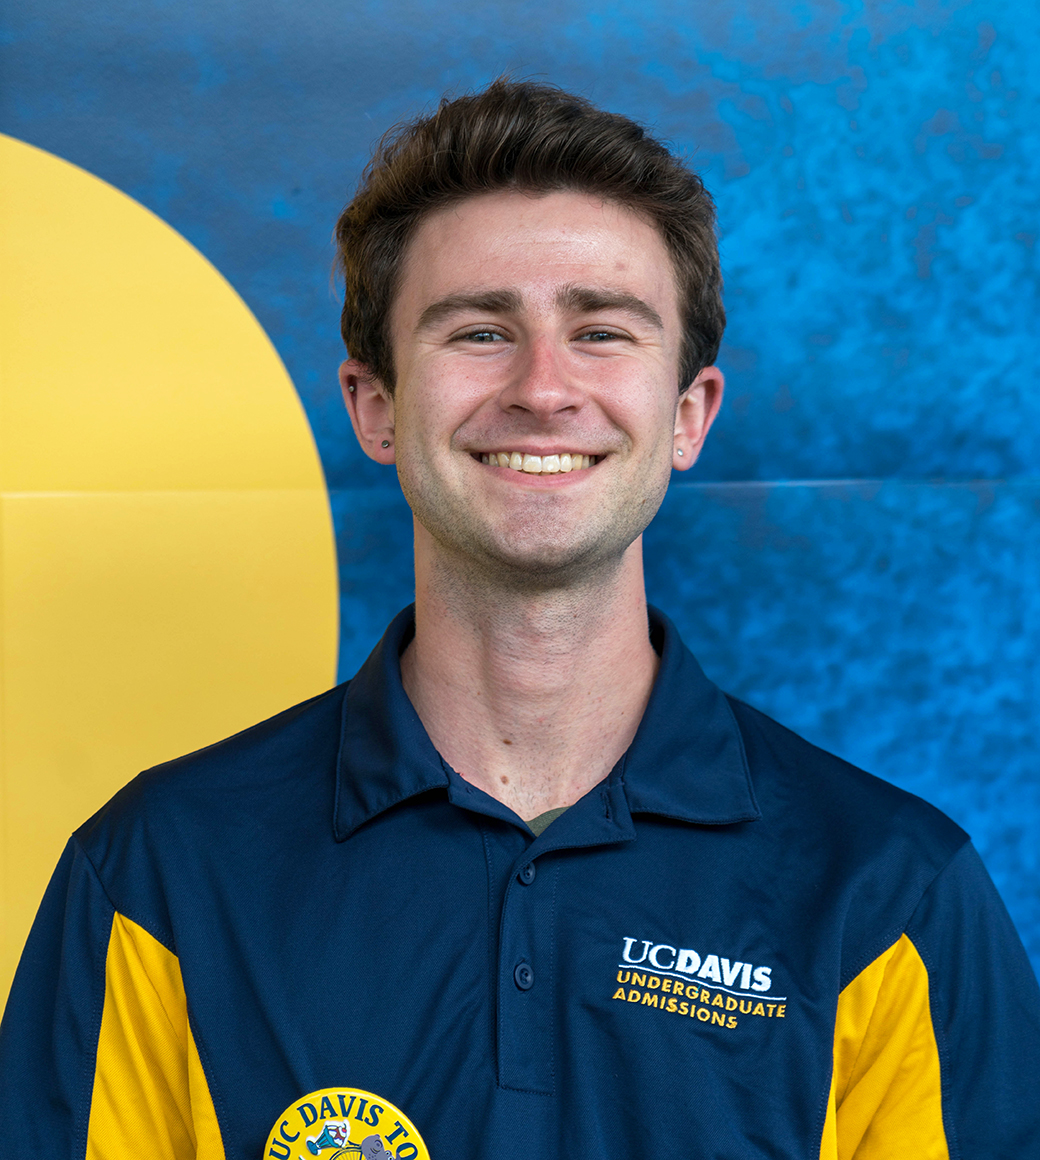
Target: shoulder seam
[164,941]
[939,1031]
[890,938]
[86,1097]
[889,948]
[216,1095]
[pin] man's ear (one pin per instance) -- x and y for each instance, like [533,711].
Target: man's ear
[694,416]
[371,410]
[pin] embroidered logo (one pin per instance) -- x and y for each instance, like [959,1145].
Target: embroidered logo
[346,1123]
[709,988]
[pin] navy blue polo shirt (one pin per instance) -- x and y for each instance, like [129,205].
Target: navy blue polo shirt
[661,972]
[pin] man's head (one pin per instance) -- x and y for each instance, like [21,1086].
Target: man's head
[530,138]
[534,323]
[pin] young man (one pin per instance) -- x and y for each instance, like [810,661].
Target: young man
[530,885]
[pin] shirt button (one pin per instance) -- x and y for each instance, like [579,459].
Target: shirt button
[526,875]
[523,976]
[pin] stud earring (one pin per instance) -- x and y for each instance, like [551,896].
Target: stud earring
[386,442]
[679,451]
[351,388]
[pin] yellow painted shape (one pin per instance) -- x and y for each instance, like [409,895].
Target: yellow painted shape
[167,560]
[886,1091]
[128,360]
[149,1085]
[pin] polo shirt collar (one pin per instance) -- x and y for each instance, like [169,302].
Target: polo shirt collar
[687,759]
[385,754]
[686,762]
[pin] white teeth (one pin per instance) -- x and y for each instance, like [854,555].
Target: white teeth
[538,464]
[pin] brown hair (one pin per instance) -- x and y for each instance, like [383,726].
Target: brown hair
[535,138]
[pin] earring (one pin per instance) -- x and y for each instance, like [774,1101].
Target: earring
[679,451]
[351,388]
[386,442]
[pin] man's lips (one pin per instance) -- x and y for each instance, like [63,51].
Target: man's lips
[552,464]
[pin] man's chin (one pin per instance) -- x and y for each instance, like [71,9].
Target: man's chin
[548,565]
[527,553]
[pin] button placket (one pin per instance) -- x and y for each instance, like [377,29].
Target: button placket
[525,1009]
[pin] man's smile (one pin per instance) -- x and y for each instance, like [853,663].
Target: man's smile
[538,464]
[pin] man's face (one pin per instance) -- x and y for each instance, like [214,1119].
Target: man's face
[543,326]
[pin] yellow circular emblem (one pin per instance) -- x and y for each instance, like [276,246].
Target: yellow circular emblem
[344,1122]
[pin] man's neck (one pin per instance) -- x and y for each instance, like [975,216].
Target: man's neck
[531,695]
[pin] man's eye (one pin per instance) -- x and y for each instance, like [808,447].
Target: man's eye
[482,336]
[600,336]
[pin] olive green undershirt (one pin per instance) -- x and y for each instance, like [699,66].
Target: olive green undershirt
[538,824]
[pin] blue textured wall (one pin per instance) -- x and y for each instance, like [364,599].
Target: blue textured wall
[876,166]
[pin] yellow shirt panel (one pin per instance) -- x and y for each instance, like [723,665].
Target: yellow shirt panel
[886,1090]
[150,1091]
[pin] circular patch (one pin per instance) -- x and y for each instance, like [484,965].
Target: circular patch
[344,1122]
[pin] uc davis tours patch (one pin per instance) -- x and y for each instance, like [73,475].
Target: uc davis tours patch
[344,1122]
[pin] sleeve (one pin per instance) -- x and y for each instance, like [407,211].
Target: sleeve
[937,1041]
[97,1057]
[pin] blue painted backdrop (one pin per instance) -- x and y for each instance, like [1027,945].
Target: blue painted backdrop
[857,553]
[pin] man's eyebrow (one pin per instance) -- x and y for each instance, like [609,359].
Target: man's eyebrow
[481,302]
[588,299]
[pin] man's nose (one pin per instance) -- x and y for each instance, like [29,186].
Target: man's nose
[541,381]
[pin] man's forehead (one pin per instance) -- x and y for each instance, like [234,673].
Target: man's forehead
[567,247]
[516,218]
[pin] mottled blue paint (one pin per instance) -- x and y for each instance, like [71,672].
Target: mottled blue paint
[876,167]
[374,539]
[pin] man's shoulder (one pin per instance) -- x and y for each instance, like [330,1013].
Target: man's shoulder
[276,764]
[834,801]
[856,845]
